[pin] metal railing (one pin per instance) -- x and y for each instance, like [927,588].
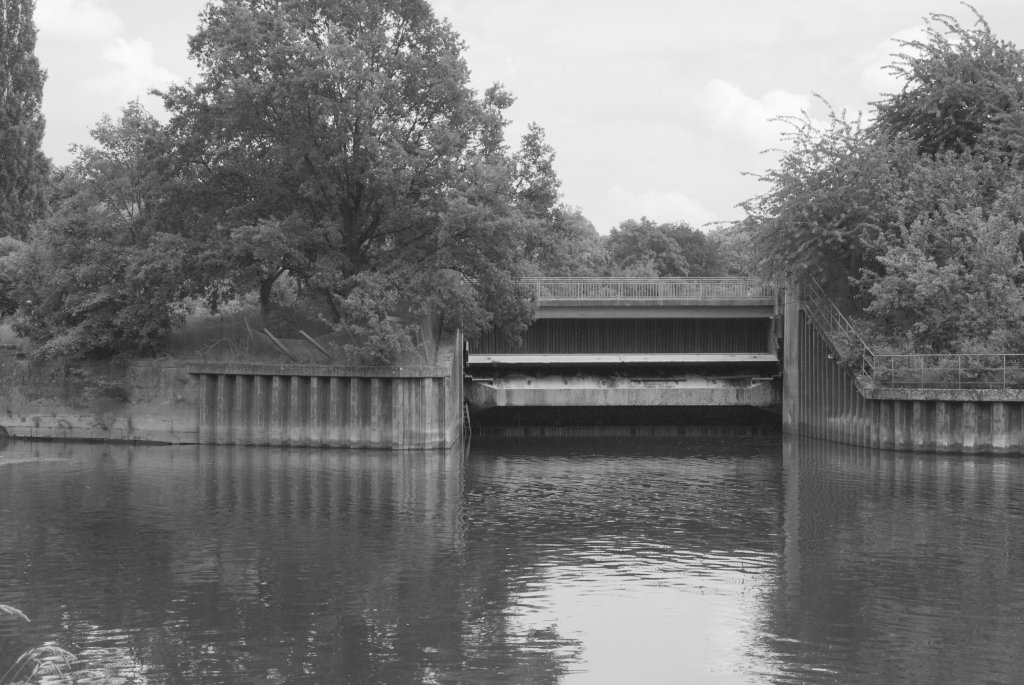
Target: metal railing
[648,288]
[950,371]
[838,329]
[932,371]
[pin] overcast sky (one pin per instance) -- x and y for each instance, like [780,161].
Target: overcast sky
[655,107]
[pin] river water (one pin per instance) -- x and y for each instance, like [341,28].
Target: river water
[556,561]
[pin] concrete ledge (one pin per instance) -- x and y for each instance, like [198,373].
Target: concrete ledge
[318,370]
[601,359]
[876,392]
[689,392]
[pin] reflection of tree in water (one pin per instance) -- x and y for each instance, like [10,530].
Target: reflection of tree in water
[180,566]
[900,567]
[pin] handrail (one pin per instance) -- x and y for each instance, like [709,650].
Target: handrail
[837,327]
[951,371]
[932,371]
[632,288]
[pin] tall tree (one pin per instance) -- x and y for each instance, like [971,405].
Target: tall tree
[340,141]
[95,278]
[958,84]
[23,167]
[646,248]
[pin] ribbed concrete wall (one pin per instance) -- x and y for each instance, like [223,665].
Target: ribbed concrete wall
[327,410]
[635,336]
[823,399]
[386,408]
[246,404]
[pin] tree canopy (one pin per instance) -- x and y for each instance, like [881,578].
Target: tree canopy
[341,143]
[646,248]
[23,167]
[913,220]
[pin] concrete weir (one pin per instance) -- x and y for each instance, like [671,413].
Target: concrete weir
[691,390]
[628,352]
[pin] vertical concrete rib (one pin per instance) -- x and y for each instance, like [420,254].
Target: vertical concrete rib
[334,412]
[886,437]
[969,430]
[316,412]
[943,438]
[278,410]
[1000,427]
[357,420]
[225,409]
[260,409]
[243,410]
[375,437]
[207,408]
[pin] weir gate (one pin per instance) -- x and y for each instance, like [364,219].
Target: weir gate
[681,353]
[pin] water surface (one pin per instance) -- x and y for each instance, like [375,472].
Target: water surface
[548,561]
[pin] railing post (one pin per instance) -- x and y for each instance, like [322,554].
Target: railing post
[959,372]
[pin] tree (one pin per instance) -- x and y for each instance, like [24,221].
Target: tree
[830,202]
[23,167]
[95,277]
[919,213]
[569,246]
[337,141]
[959,84]
[646,248]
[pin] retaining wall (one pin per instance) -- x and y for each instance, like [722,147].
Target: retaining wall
[823,398]
[233,403]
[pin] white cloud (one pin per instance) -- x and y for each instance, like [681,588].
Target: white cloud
[662,206]
[135,72]
[875,79]
[76,19]
[726,106]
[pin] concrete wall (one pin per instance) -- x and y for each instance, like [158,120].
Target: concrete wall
[601,391]
[140,401]
[180,403]
[823,398]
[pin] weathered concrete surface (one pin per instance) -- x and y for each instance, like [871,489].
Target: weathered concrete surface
[180,403]
[828,401]
[717,308]
[616,359]
[597,391]
[144,402]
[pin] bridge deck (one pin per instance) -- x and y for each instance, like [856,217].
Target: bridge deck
[602,359]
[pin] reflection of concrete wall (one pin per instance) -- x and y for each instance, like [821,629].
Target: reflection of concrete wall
[824,400]
[394,408]
[902,559]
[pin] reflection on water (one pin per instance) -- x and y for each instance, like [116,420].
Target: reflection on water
[900,568]
[583,561]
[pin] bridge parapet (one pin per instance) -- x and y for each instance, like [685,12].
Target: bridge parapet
[637,298]
[686,289]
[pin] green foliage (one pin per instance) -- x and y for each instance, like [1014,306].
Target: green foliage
[830,202]
[954,283]
[94,277]
[916,219]
[959,83]
[536,183]
[568,245]
[23,167]
[645,248]
[341,143]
